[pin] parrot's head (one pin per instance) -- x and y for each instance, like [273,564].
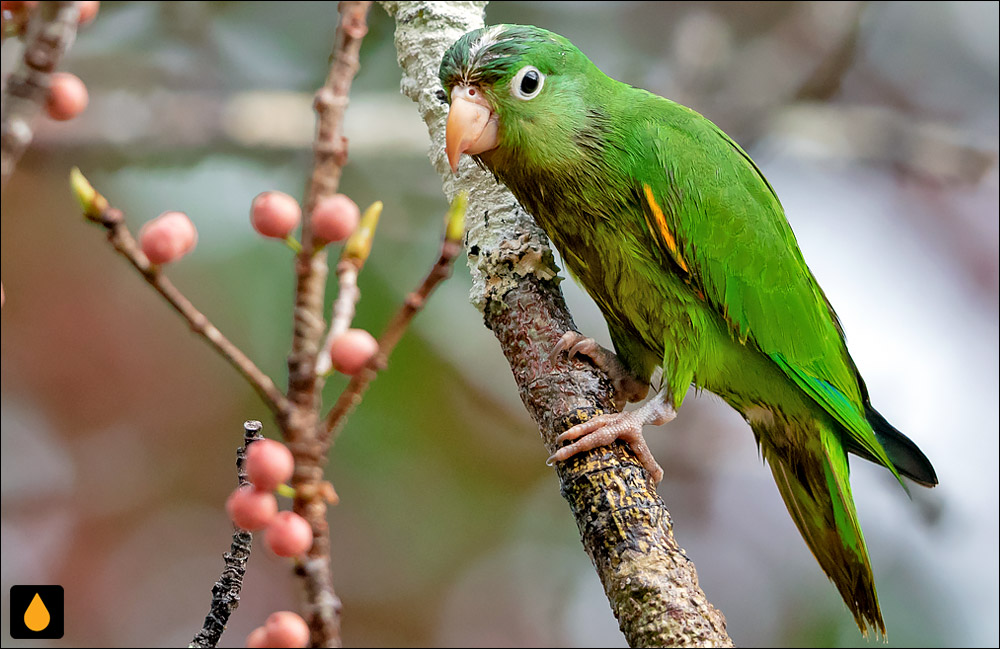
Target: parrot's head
[517,93]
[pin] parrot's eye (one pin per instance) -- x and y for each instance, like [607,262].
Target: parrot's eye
[527,83]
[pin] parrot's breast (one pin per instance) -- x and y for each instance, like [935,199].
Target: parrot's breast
[655,316]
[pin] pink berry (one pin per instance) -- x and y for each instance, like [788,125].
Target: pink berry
[289,535]
[251,509]
[67,96]
[88,11]
[275,214]
[168,237]
[287,629]
[258,638]
[335,218]
[352,350]
[269,463]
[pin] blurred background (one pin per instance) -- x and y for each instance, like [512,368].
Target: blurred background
[877,123]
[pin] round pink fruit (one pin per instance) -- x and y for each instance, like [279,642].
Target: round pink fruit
[252,509]
[275,214]
[269,463]
[352,350]
[289,535]
[287,629]
[334,218]
[67,96]
[168,237]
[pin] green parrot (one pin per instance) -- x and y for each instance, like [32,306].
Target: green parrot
[682,243]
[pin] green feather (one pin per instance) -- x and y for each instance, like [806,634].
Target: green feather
[675,233]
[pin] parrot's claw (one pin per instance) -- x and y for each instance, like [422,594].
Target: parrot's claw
[627,387]
[603,430]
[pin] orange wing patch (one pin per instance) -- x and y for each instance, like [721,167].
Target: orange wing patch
[661,225]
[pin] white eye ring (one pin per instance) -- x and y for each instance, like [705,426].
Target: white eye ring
[519,80]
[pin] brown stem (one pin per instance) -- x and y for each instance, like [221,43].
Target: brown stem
[50,33]
[300,426]
[226,591]
[118,234]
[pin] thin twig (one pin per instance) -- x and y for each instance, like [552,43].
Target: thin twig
[352,259]
[347,299]
[343,310]
[226,591]
[299,426]
[351,396]
[96,209]
[50,33]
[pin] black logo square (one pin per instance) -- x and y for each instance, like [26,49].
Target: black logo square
[36,612]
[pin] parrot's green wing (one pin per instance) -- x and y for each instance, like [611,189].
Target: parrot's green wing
[710,208]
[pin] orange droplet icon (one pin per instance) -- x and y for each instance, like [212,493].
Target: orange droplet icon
[36,617]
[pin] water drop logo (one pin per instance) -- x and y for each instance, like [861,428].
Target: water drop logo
[37,617]
[36,612]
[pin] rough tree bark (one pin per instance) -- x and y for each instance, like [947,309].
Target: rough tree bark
[624,525]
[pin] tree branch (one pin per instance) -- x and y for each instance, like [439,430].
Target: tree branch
[226,591]
[50,32]
[302,427]
[97,210]
[625,526]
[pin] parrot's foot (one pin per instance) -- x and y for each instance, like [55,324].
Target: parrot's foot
[627,387]
[603,430]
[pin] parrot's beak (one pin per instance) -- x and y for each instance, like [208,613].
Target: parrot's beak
[472,124]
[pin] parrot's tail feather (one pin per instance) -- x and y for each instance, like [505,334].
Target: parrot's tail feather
[813,480]
[904,454]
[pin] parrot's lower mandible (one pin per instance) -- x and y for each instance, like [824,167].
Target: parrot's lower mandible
[675,233]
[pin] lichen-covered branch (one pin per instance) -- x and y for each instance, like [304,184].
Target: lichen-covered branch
[50,33]
[625,526]
[226,591]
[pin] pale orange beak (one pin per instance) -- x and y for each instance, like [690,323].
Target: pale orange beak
[472,124]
